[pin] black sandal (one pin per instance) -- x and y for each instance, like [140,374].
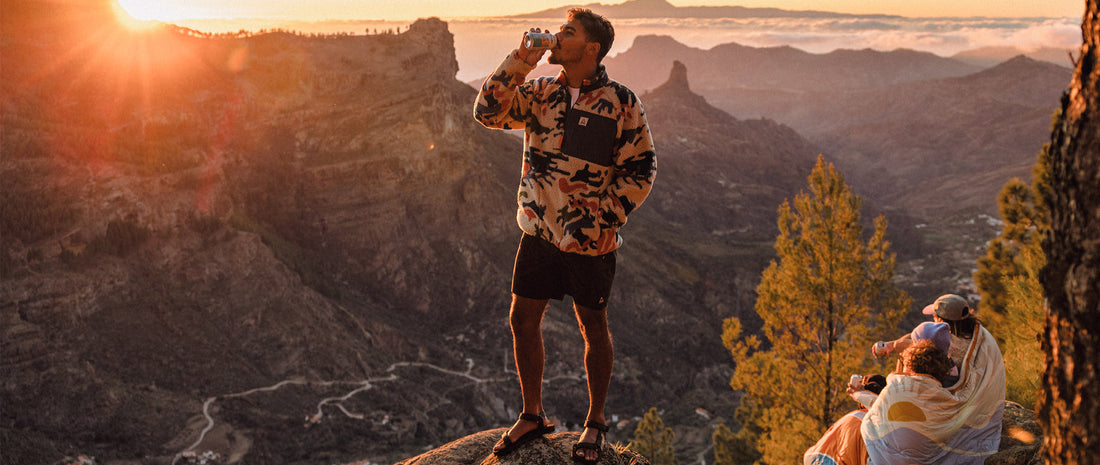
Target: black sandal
[541,430]
[600,430]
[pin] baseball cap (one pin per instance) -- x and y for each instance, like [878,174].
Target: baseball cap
[949,307]
[938,333]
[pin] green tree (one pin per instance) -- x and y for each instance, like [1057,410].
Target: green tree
[825,299]
[653,440]
[1026,219]
[1008,280]
[1021,347]
[737,448]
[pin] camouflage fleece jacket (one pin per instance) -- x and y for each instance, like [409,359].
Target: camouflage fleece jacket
[585,167]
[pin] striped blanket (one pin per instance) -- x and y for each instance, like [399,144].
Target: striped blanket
[916,420]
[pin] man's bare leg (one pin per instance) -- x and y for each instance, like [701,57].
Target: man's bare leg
[525,317]
[599,356]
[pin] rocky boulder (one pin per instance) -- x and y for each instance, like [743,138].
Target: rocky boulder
[1021,438]
[552,449]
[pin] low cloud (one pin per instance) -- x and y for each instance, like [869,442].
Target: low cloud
[942,36]
[480,44]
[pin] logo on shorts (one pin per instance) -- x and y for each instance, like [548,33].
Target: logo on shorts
[583,121]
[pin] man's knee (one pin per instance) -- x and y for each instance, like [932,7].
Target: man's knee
[593,322]
[526,314]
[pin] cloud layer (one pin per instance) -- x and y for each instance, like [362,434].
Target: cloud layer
[481,44]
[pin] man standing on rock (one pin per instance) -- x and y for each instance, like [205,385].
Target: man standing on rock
[588,162]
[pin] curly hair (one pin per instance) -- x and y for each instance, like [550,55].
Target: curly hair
[923,357]
[597,28]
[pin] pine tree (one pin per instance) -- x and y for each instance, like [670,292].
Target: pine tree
[1070,399]
[1025,219]
[737,448]
[653,440]
[1008,280]
[825,299]
[1023,323]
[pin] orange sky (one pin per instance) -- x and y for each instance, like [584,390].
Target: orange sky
[169,10]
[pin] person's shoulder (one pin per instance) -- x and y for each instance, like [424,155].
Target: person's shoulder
[618,86]
[625,95]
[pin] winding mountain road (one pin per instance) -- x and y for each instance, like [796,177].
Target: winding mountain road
[358,387]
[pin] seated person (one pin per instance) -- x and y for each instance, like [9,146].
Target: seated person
[915,420]
[842,444]
[951,310]
[937,332]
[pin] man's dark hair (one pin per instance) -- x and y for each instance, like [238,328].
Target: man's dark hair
[597,28]
[923,357]
[965,327]
[874,383]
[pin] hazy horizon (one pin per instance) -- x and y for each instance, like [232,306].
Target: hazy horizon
[407,10]
[480,44]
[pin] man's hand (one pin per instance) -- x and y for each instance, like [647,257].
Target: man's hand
[532,57]
[882,349]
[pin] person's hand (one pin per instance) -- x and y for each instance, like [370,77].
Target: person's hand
[532,57]
[881,349]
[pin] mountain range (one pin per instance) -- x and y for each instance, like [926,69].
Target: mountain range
[874,113]
[664,9]
[281,210]
[296,249]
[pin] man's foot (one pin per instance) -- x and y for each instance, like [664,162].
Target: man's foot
[587,449]
[526,428]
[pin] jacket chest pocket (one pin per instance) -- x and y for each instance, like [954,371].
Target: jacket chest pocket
[590,137]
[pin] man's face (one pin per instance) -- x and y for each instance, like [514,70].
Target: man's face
[572,43]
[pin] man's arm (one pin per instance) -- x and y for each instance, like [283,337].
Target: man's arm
[635,165]
[502,103]
[890,347]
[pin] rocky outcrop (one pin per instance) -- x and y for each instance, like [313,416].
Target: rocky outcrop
[1020,442]
[1021,438]
[554,449]
[706,154]
[315,213]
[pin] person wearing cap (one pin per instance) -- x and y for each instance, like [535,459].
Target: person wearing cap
[949,309]
[964,418]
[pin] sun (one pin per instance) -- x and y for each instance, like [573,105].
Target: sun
[134,15]
[144,10]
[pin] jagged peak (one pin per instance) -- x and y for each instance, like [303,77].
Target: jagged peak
[678,77]
[651,40]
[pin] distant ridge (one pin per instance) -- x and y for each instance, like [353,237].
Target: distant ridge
[663,9]
[992,56]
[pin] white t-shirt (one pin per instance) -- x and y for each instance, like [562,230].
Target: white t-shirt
[574,94]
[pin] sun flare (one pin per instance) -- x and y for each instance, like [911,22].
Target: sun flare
[128,13]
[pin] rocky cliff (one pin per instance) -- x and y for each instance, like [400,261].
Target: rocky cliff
[553,449]
[280,247]
[1020,442]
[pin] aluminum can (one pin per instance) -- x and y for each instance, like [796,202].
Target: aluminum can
[855,380]
[540,40]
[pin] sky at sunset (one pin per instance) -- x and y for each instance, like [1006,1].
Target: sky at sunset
[943,27]
[316,10]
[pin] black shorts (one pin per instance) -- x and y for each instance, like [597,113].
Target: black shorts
[543,271]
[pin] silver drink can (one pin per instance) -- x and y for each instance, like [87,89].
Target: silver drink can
[540,40]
